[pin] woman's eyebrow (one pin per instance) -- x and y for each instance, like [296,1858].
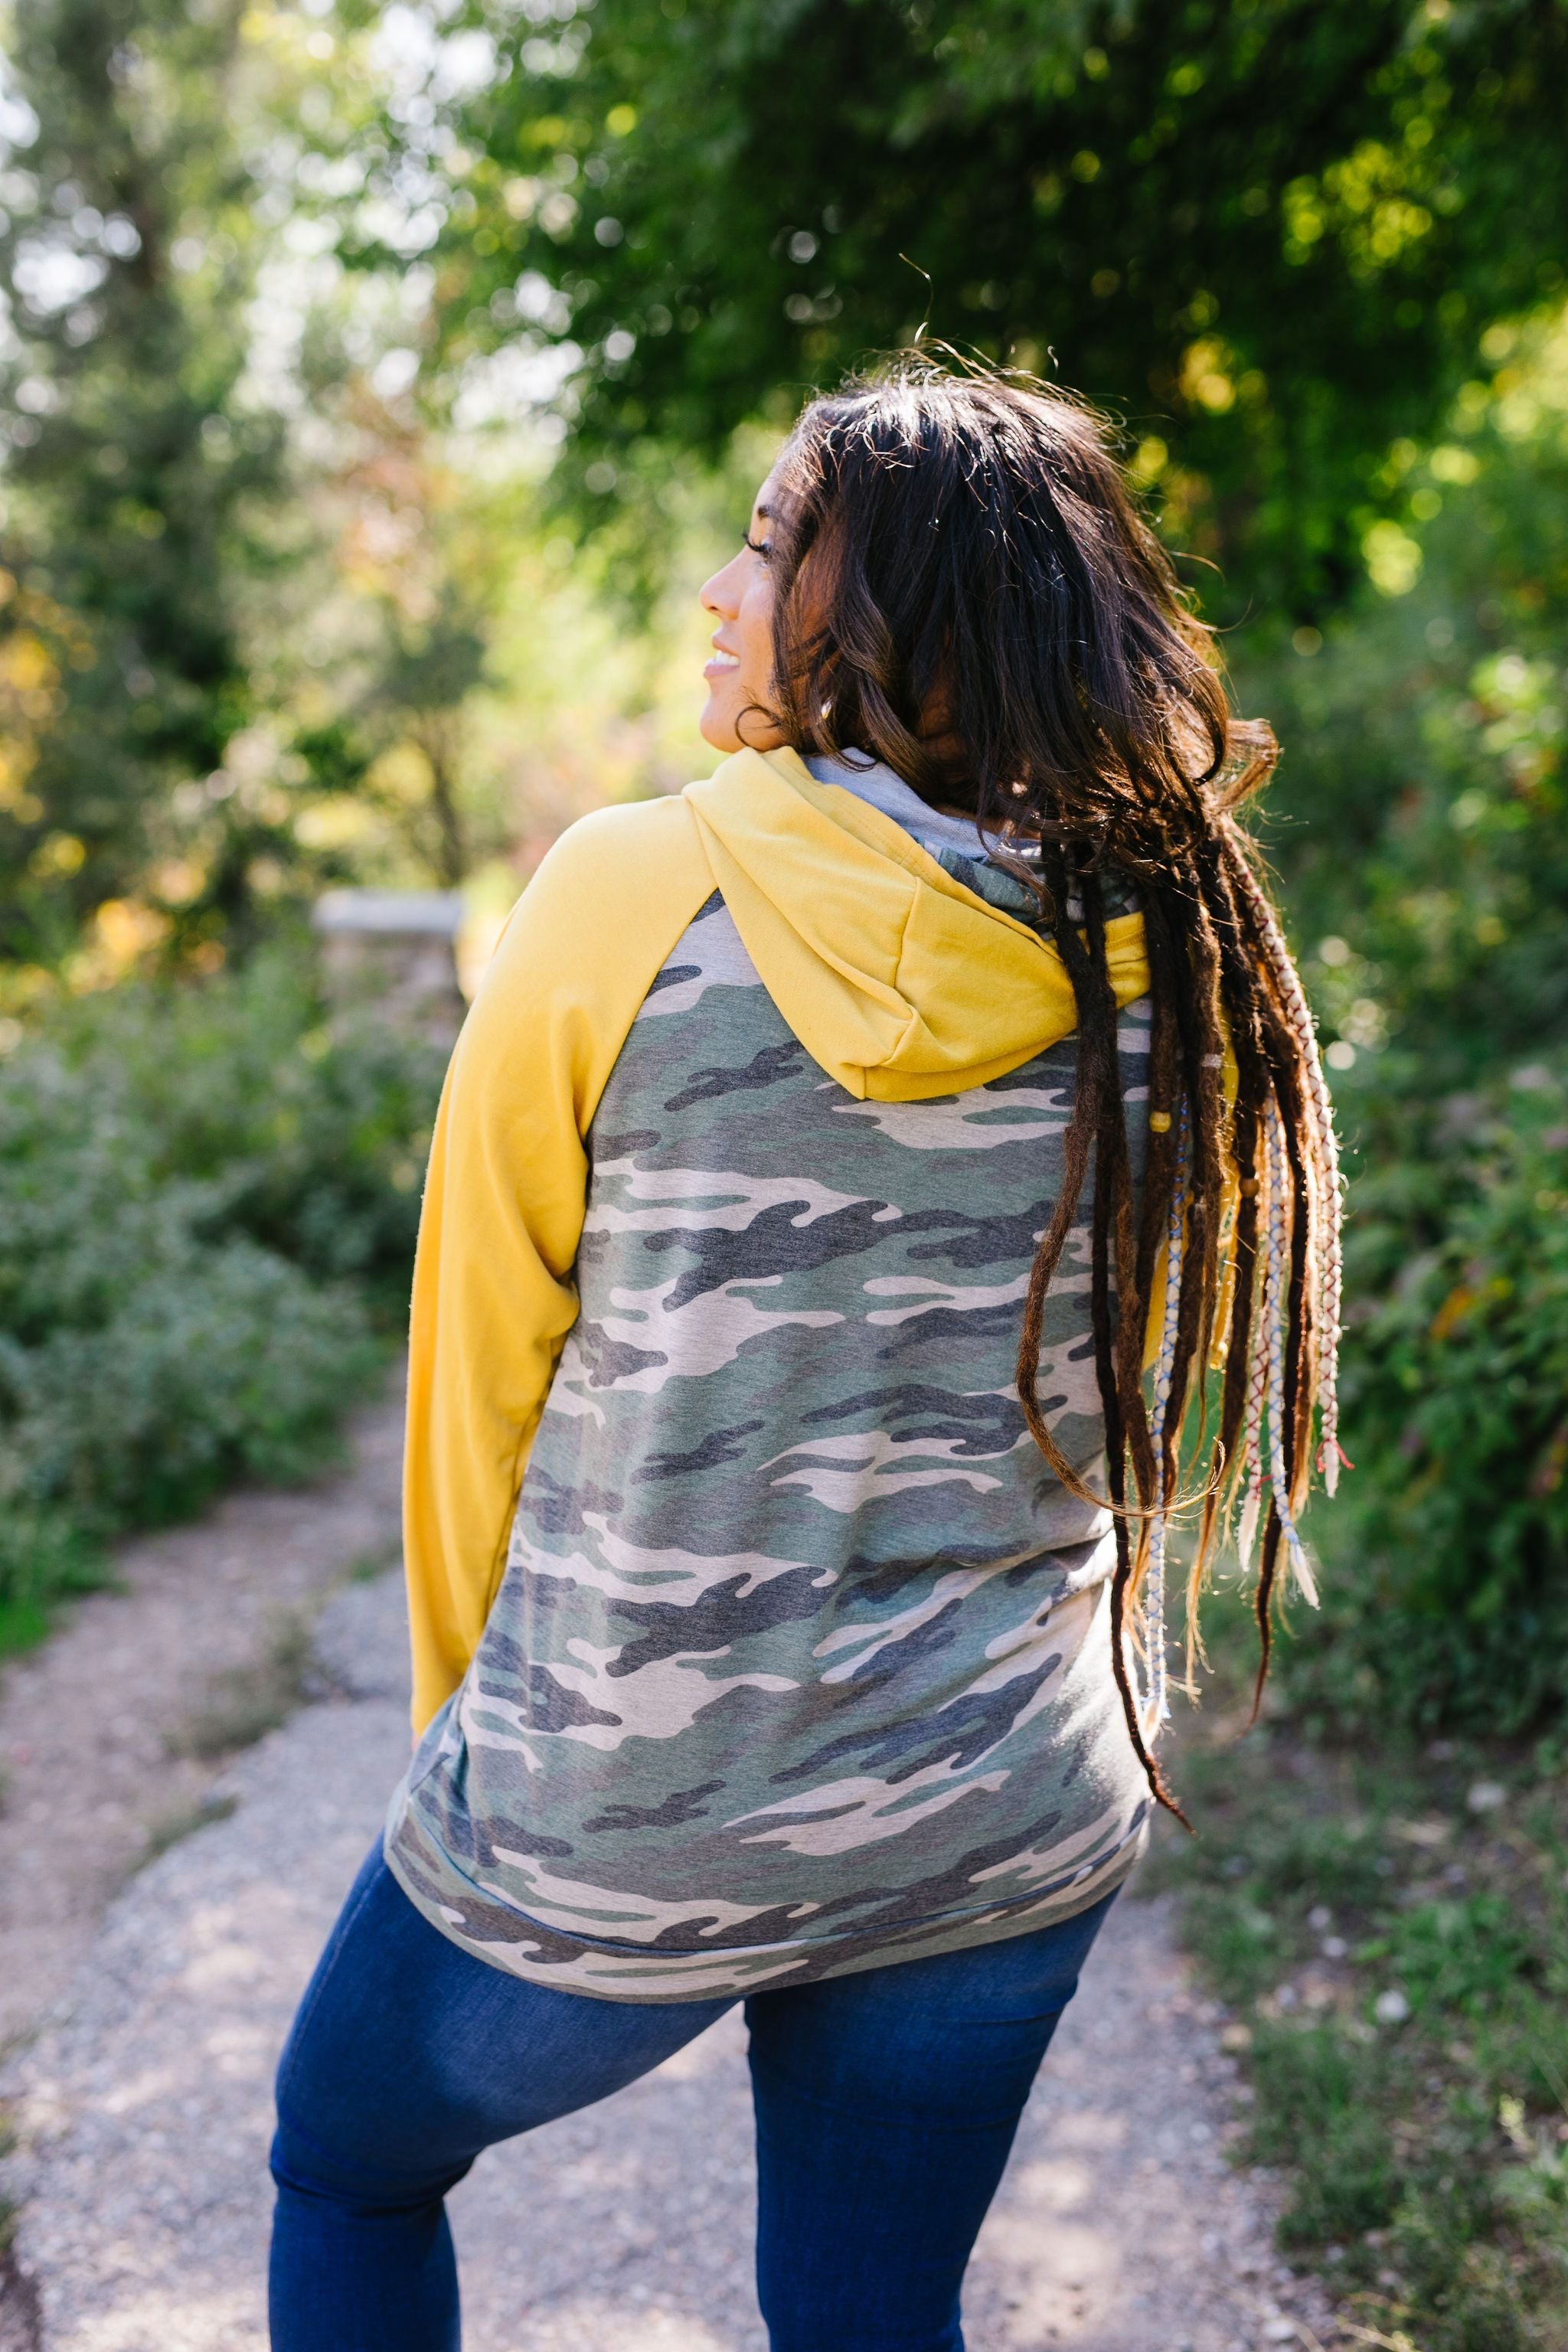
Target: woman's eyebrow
[765,513]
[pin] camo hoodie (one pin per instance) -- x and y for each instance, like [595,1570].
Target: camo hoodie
[755,1640]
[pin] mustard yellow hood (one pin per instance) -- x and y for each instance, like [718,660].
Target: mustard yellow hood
[898,980]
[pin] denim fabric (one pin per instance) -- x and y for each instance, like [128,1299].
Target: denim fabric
[886,2101]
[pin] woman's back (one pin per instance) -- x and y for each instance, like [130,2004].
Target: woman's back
[800,1658]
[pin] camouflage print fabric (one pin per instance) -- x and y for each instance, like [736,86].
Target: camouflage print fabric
[800,1660]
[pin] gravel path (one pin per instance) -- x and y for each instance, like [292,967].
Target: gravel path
[192,1646]
[142,2111]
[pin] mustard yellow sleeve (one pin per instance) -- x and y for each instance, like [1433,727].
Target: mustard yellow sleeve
[505,1198]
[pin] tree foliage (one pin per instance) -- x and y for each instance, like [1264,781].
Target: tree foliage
[134,474]
[1419,824]
[1268,230]
[237,577]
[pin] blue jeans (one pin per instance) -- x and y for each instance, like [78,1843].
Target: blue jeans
[886,2105]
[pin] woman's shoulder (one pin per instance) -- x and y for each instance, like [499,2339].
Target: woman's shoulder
[615,864]
[623,831]
[608,902]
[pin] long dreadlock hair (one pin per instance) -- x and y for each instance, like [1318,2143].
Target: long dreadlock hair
[964,588]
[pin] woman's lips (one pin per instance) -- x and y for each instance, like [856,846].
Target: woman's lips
[721,666]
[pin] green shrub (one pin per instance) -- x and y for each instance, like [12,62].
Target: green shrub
[1446,1601]
[310,1138]
[208,1202]
[1421,830]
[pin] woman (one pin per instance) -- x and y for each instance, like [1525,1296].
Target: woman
[826,1152]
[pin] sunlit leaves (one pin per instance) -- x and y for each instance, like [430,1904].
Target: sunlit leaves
[1353,193]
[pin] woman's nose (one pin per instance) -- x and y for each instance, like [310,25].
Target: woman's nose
[717,594]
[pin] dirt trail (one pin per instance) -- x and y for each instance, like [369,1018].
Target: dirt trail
[111,1735]
[142,2108]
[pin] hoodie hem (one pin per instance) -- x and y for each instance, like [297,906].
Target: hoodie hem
[601,1969]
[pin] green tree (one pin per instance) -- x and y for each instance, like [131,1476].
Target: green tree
[133,474]
[1269,230]
[426,575]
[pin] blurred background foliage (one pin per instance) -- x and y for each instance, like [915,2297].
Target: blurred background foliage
[1269,229]
[1421,825]
[209,1198]
[378,378]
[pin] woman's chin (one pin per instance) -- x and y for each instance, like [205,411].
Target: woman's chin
[717,724]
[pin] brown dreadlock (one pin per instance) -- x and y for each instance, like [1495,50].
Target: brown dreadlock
[969,593]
